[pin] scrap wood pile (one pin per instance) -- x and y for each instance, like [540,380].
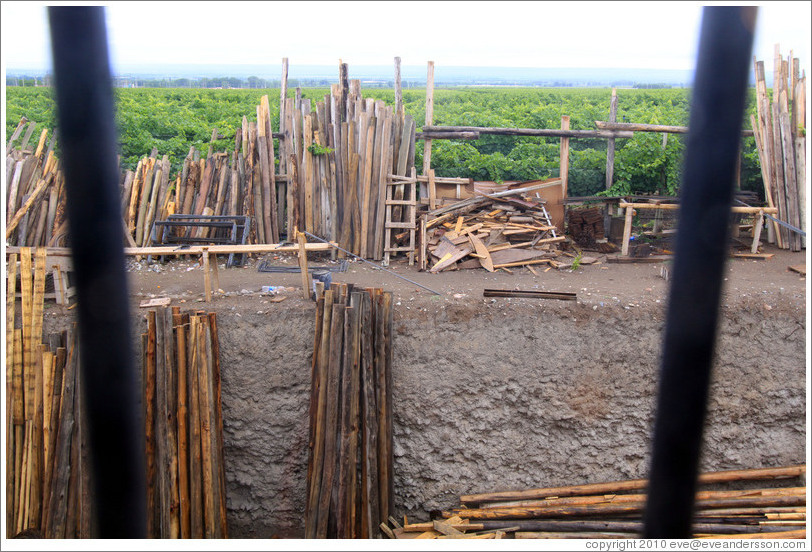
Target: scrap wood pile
[780,133]
[350,484]
[501,230]
[35,204]
[185,478]
[48,476]
[614,510]
[585,226]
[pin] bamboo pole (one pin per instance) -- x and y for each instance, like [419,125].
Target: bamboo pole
[758,474]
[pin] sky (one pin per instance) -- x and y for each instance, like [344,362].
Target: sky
[582,34]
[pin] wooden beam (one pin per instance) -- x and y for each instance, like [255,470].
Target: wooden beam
[564,157]
[638,127]
[303,264]
[429,116]
[542,132]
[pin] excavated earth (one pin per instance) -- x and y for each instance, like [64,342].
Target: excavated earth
[493,394]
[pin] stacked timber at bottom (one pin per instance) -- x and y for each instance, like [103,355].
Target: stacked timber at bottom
[349,475]
[186,495]
[614,510]
[48,477]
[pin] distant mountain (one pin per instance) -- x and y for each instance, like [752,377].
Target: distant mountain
[411,75]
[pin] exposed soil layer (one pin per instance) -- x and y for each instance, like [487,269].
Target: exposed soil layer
[494,394]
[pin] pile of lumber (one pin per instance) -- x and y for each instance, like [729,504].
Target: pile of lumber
[614,510]
[35,206]
[585,226]
[48,477]
[330,174]
[350,484]
[186,493]
[340,158]
[780,132]
[500,230]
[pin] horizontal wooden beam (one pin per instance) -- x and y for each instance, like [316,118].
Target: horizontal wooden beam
[675,206]
[437,179]
[543,132]
[638,127]
[196,249]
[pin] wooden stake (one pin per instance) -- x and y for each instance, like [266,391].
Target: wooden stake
[306,293]
[195,469]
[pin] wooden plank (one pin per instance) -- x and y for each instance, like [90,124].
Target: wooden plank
[429,116]
[195,461]
[11,292]
[485,257]
[206,427]
[612,487]
[447,261]
[55,526]
[149,367]
[610,144]
[564,156]
[800,269]
[18,419]
[366,199]
[369,433]
[384,169]
[321,423]
[218,413]
[331,418]
[346,454]
[562,295]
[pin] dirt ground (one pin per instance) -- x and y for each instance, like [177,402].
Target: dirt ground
[767,281]
[492,393]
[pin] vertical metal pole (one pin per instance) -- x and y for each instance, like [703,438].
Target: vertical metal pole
[84,99]
[717,110]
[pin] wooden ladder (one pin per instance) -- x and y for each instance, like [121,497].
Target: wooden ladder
[411,214]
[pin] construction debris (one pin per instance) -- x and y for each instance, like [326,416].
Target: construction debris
[501,230]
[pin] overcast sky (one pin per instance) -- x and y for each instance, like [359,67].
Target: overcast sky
[643,35]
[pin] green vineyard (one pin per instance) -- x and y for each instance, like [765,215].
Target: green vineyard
[174,120]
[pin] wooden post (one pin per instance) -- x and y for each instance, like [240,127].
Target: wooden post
[610,143]
[284,147]
[627,231]
[432,190]
[398,92]
[10,308]
[215,274]
[429,116]
[565,156]
[303,265]
[757,231]
[206,274]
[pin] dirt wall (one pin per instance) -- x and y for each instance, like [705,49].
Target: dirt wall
[501,395]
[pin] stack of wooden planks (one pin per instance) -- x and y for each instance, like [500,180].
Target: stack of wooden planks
[350,484]
[585,225]
[780,132]
[47,466]
[35,206]
[186,493]
[341,156]
[496,231]
[614,510]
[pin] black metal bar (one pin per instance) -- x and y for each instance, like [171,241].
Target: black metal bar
[84,99]
[717,111]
